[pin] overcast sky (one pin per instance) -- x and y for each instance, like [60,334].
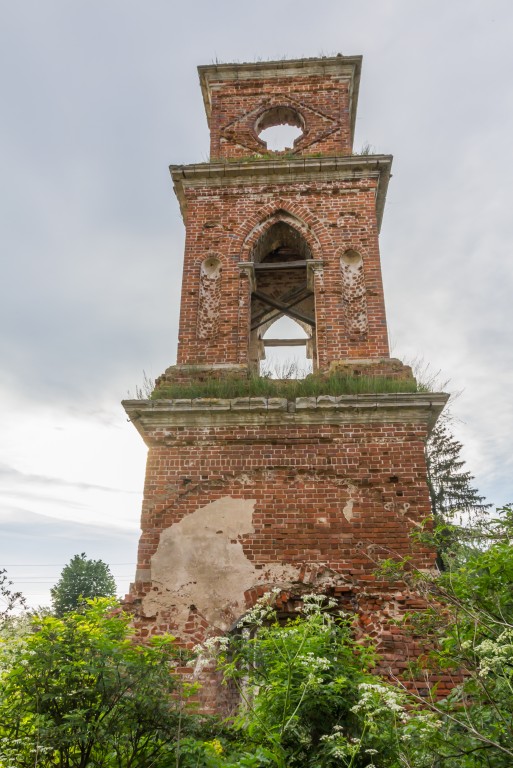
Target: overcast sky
[97,98]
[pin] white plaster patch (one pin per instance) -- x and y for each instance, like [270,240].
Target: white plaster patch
[348,508]
[200,561]
[405,508]
[209,297]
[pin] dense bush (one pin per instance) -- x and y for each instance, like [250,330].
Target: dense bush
[77,692]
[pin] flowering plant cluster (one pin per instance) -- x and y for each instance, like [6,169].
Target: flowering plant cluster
[77,692]
[308,697]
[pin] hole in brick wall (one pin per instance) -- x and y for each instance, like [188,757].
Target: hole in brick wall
[280,137]
[279,128]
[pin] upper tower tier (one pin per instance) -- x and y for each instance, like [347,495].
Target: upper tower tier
[318,96]
[282,234]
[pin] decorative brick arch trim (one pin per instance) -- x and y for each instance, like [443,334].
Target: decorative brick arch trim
[352,245]
[307,224]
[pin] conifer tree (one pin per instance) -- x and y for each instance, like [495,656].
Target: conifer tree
[458,509]
[454,499]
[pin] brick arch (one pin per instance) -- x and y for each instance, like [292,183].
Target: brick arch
[288,599]
[314,232]
[209,298]
[278,104]
[352,245]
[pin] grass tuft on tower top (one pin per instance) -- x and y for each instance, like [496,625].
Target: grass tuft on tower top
[263,386]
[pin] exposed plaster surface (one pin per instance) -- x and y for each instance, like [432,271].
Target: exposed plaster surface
[354,292]
[348,507]
[200,561]
[209,297]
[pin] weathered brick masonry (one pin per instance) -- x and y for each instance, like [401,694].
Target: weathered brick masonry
[247,494]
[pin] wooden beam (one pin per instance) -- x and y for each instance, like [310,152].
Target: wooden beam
[284,342]
[292,298]
[264,266]
[285,308]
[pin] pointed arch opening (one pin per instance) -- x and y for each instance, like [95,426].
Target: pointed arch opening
[283,299]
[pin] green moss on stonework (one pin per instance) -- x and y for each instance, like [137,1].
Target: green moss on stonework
[261,386]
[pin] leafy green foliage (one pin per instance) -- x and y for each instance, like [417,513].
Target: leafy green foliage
[81,580]
[78,692]
[470,629]
[308,697]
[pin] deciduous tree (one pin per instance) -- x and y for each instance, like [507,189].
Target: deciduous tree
[10,599]
[78,692]
[469,627]
[80,580]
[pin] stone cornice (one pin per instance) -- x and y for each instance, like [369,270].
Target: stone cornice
[290,171]
[346,67]
[151,416]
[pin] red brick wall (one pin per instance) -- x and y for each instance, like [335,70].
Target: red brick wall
[302,477]
[323,102]
[306,481]
[227,221]
[298,474]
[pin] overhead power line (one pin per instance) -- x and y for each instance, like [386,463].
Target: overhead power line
[50,565]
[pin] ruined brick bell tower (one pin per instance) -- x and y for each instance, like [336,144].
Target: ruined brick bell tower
[246,494]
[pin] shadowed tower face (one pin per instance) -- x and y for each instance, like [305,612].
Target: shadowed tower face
[251,493]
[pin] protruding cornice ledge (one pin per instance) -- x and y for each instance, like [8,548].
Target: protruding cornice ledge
[301,169]
[214,172]
[151,416]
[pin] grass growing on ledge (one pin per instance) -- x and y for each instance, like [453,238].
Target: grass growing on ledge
[262,386]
